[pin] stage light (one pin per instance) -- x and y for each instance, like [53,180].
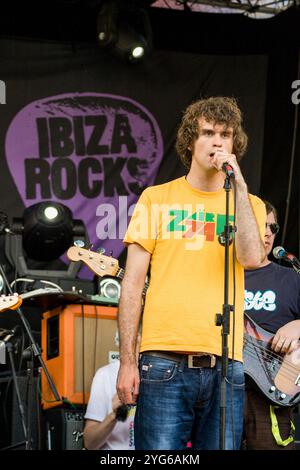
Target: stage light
[35,243]
[130,45]
[124,30]
[138,52]
[47,229]
[107,23]
[50,212]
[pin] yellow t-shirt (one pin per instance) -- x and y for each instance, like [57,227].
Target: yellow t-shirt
[179,225]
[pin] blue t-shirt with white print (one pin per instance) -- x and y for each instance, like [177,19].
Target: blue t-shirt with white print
[272,296]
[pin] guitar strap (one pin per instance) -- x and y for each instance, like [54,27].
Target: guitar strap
[276,432]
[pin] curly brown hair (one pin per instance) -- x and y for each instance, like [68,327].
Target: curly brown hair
[218,110]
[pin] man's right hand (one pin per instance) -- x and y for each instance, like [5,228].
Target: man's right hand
[128,383]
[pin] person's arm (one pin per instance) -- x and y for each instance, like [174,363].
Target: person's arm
[287,337]
[128,321]
[250,249]
[96,433]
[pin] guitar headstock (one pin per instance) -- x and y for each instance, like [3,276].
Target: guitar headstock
[10,302]
[101,265]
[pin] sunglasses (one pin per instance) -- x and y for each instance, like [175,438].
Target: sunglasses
[273,227]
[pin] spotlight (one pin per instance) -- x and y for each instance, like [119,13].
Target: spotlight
[50,213]
[107,23]
[125,30]
[138,52]
[46,230]
[130,45]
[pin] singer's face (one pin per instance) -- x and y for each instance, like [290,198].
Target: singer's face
[269,236]
[212,137]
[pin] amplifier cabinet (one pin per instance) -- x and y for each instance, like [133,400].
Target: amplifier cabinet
[76,341]
[64,428]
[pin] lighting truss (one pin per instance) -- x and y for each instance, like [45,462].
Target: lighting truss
[255,8]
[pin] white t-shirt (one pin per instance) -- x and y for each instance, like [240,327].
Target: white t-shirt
[100,405]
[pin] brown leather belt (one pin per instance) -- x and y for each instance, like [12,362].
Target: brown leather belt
[195,361]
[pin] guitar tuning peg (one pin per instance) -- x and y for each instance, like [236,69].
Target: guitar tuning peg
[90,246]
[101,250]
[79,243]
[111,253]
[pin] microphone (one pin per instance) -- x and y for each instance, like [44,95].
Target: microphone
[228,170]
[122,412]
[280,253]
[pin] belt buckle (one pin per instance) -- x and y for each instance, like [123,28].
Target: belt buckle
[191,360]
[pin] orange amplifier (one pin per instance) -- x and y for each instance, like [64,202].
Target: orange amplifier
[76,341]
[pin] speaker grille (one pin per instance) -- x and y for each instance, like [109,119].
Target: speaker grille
[64,429]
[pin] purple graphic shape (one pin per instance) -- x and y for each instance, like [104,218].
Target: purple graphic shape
[127,140]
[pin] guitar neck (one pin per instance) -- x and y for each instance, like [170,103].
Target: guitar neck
[120,273]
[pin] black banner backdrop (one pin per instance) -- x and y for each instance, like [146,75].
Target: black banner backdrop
[83,129]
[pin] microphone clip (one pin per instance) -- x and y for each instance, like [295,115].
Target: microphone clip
[222,236]
[228,170]
[296,268]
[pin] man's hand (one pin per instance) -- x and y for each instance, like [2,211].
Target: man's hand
[287,337]
[250,249]
[128,383]
[221,157]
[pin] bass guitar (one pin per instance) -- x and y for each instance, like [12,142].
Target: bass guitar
[277,375]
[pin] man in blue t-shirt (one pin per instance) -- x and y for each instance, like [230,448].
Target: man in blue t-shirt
[272,300]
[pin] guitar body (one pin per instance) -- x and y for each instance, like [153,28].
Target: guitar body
[277,375]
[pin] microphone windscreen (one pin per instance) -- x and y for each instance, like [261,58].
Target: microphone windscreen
[122,412]
[278,252]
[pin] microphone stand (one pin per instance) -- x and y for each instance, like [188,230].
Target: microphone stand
[9,348]
[36,352]
[28,355]
[223,319]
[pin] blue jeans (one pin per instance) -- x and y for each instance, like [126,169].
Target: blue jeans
[177,405]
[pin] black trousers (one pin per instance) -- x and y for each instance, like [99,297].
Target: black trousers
[257,423]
